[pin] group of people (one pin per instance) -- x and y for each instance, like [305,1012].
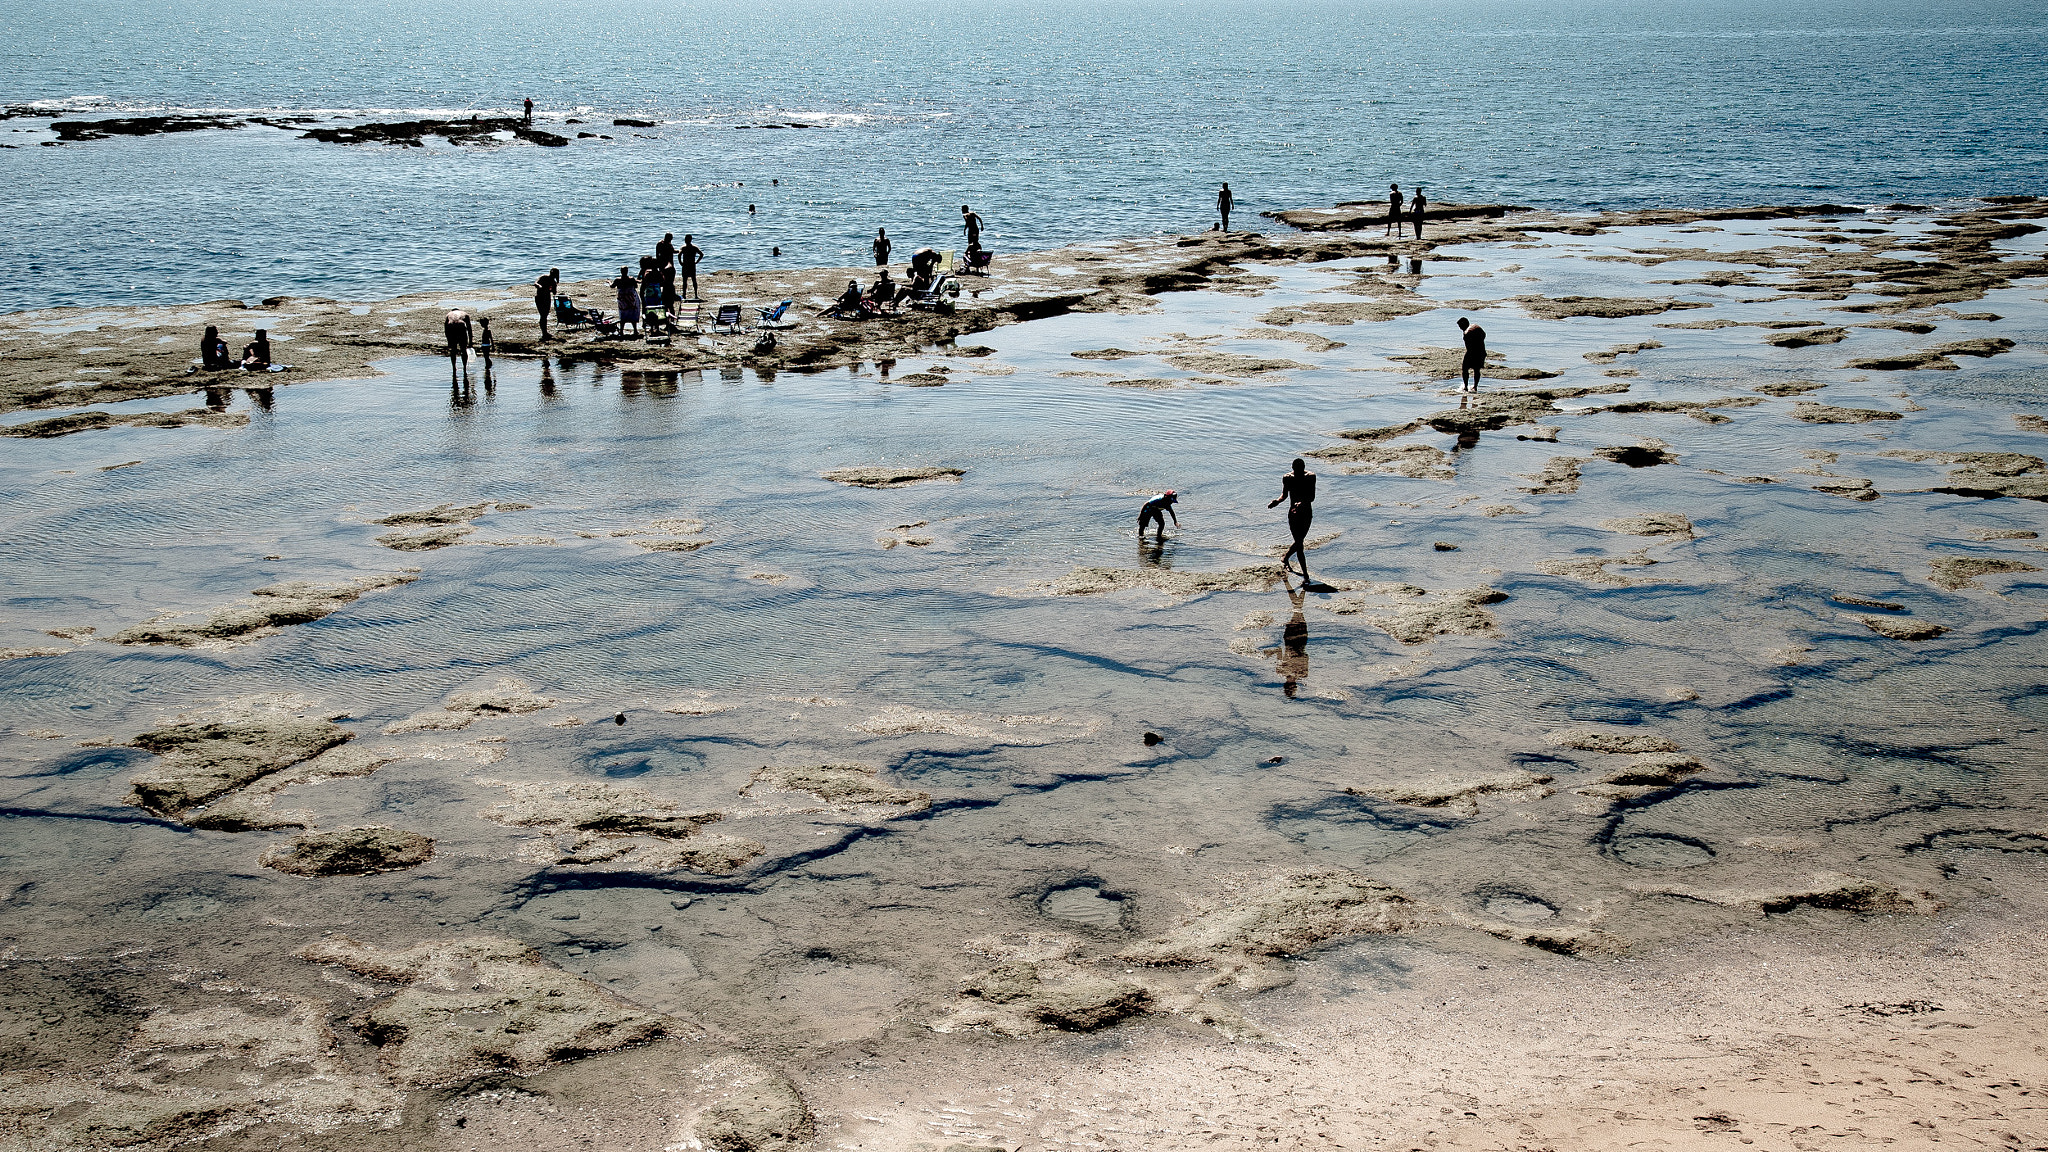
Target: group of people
[1416,208]
[215,357]
[1297,488]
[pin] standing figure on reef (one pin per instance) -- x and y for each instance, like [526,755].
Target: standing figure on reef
[1298,488]
[1158,509]
[882,246]
[1421,203]
[1475,354]
[971,220]
[460,331]
[688,255]
[1394,199]
[1223,202]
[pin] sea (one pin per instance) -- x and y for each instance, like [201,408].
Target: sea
[1057,120]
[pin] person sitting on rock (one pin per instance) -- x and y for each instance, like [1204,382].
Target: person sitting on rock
[213,351]
[883,294]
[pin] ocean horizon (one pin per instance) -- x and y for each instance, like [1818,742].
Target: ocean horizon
[1058,122]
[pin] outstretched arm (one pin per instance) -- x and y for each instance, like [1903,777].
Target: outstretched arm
[1286,486]
[1175,515]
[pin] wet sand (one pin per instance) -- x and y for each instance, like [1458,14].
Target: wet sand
[755,759]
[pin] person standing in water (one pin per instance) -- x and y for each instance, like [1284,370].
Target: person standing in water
[1159,508]
[1421,202]
[1223,202]
[882,246]
[460,330]
[687,256]
[1298,488]
[1475,354]
[1394,199]
[972,223]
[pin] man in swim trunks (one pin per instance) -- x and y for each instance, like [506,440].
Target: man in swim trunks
[1298,488]
[687,256]
[1475,354]
[1394,199]
[544,287]
[459,329]
[1223,202]
[972,223]
[1159,508]
[665,252]
[882,246]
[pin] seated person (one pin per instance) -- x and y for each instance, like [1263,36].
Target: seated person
[849,300]
[256,353]
[213,351]
[884,292]
[263,346]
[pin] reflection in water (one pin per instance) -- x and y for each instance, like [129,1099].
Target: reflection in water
[886,366]
[547,379]
[217,398]
[1157,552]
[261,397]
[1290,659]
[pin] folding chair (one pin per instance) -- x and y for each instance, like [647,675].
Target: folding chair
[728,319]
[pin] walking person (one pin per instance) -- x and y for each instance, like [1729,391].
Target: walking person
[1223,202]
[972,223]
[882,247]
[1298,488]
[1158,508]
[626,293]
[1475,354]
[1394,199]
[687,256]
[1421,203]
[544,287]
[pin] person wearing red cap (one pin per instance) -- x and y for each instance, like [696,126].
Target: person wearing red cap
[1159,508]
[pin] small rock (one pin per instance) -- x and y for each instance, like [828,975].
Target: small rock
[1443,547]
[1152,738]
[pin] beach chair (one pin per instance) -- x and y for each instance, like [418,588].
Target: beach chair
[566,312]
[939,298]
[728,319]
[654,318]
[772,317]
[684,318]
[946,265]
[978,261]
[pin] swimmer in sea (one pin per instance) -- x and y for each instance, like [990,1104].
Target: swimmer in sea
[1159,508]
[1298,488]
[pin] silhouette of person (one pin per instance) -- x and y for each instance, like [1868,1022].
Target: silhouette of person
[1298,488]
[544,286]
[1394,199]
[1290,659]
[529,109]
[460,330]
[1421,203]
[882,246]
[688,255]
[665,252]
[1475,354]
[972,223]
[1223,202]
[1159,508]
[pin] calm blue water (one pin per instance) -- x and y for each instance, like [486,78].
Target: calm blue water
[1057,119]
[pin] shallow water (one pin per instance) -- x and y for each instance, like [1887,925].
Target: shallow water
[1286,721]
[1058,121]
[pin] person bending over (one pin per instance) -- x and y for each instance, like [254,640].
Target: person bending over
[1158,509]
[1475,355]
[460,331]
[1298,488]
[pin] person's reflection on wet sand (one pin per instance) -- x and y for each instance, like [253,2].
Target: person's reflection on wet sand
[461,394]
[1290,658]
[261,397]
[1156,552]
[217,398]
[490,381]
[887,366]
[547,379]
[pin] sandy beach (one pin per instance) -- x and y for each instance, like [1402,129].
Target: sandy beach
[627,746]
